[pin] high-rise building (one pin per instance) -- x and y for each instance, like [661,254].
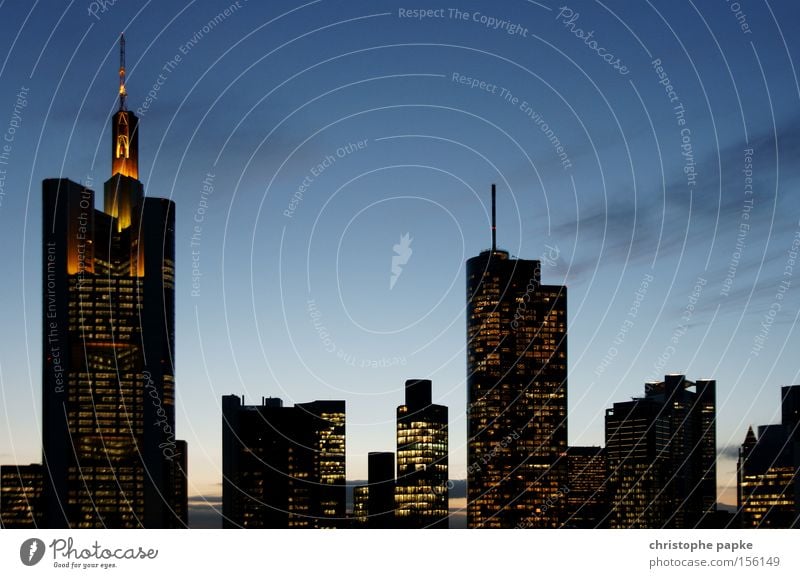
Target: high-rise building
[21,496]
[374,502]
[421,491]
[768,472]
[517,392]
[283,467]
[110,455]
[380,490]
[661,456]
[360,516]
[587,501]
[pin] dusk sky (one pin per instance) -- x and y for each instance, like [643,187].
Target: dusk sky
[652,165]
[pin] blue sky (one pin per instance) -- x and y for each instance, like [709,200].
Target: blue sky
[329,130]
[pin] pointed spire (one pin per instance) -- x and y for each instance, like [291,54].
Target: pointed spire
[494,218]
[122,91]
[750,438]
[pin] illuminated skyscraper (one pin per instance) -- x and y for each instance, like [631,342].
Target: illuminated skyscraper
[21,496]
[111,458]
[283,467]
[421,493]
[661,456]
[769,470]
[587,501]
[517,392]
[360,506]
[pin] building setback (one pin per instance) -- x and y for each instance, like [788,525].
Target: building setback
[516,392]
[661,456]
[768,471]
[283,467]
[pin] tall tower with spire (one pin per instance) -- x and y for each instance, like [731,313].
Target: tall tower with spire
[123,192]
[517,392]
[110,453]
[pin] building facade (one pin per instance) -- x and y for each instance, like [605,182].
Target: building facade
[421,491]
[768,471]
[517,393]
[110,454]
[661,456]
[586,495]
[21,496]
[283,467]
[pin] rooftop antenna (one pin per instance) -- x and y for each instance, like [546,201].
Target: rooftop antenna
[122,92]
[494,218]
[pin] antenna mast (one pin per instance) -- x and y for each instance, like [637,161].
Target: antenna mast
[122,92]
[494,218]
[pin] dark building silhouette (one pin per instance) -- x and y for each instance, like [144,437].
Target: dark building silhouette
[790,410]
[421,492]
[110,455]
[283,467]
[517,392]
[586,496]
[21,496]
[374,502]
[661,456]
[380,490]
[768,472]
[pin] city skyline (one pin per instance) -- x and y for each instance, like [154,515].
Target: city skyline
[335,272]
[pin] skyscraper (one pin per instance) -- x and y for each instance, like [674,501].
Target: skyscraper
[661,456]
[373,503]
[586,496]
[768,472]
[283,467]
[517,392]
[380,490]
[110,456]
[421,492]
[21,496]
